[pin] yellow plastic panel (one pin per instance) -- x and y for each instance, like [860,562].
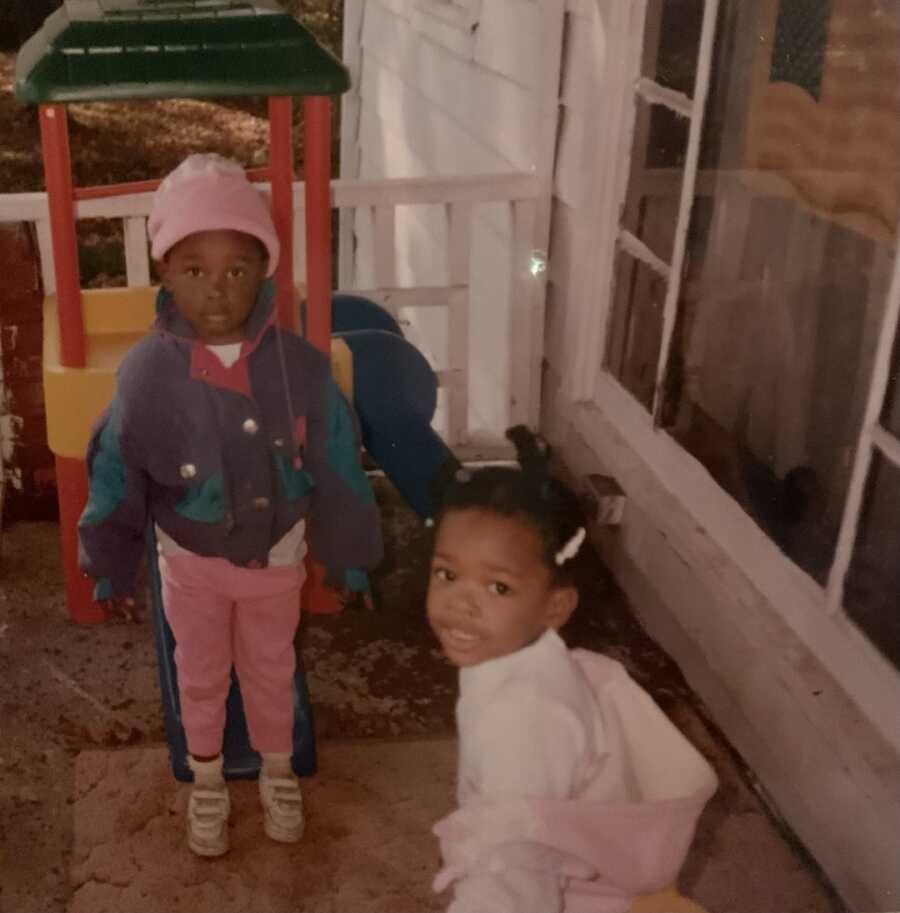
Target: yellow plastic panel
[111,311]
[114,320]
[342,367]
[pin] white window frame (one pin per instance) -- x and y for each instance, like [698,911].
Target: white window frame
[693,109]
[814,612]
[873,437]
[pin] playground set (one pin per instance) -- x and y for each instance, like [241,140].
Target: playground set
[117,50]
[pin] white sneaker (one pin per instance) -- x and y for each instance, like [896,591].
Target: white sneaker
[207,820]
[282,807]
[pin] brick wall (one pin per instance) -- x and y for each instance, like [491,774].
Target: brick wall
[30,490]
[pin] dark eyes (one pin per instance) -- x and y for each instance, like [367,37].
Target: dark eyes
[495,588]
[236,272]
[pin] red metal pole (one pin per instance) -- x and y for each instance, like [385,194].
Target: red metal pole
[281,161]
[317,178]
[317,598]
[72,489]
[71,474]
[58,177]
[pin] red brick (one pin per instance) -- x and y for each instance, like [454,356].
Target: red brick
[21,345]
[16,367]
[33,431]
[19,264]
[21,308]
[26,396]
[23,339]
[36,452]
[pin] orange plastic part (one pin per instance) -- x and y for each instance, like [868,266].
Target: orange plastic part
[669,901]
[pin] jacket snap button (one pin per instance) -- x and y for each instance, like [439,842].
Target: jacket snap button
[250,426]
[279,442]
[260,503]
[188,471]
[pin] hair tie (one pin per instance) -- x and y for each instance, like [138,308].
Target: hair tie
[570,549]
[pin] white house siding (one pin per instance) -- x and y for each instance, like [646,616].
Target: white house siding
[807,701]
[570,235]
[443,98]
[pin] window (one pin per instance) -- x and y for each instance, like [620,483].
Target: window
[756,291]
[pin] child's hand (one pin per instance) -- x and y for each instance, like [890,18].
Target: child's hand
[121,610]
[352,599]
[352,588]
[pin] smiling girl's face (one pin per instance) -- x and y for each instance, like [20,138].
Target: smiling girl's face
[491,591]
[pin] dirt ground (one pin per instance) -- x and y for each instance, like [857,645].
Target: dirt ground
[129,141]
[68,689]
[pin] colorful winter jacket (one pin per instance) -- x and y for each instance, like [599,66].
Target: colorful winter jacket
[226,460]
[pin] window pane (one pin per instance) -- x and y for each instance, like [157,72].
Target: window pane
[656,175]
[671,42]
[789,256]
[872,592]
[635,331]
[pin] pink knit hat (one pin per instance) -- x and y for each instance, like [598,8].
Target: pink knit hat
[208,193]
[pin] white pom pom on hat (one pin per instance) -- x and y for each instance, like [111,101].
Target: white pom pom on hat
[208,192]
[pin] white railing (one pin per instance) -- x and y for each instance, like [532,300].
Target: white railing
[458,196]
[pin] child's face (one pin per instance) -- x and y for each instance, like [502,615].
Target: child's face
[491,592]
[214,277]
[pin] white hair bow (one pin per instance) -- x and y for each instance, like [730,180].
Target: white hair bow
[570,549]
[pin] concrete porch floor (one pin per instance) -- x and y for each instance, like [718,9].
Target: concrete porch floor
[91,819]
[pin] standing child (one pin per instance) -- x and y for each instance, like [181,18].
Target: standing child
[229,435]
[575,792]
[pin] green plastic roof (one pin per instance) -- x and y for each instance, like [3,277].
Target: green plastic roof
[111,50]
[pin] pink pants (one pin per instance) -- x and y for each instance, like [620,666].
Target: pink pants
[221,615]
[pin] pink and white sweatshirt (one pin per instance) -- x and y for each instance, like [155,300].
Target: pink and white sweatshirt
[576,793]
